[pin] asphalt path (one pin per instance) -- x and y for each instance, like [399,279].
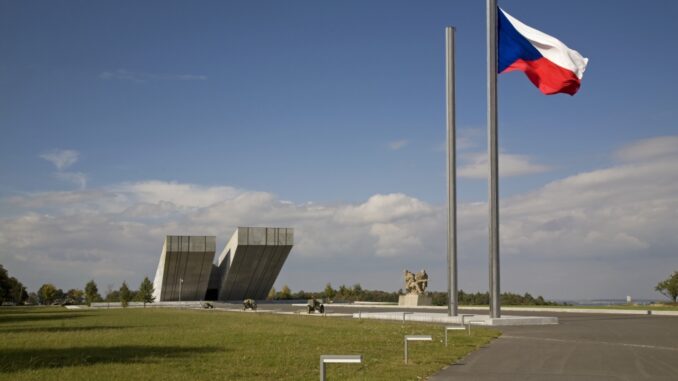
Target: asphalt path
[581,347]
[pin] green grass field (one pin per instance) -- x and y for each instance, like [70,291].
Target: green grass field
[168,344]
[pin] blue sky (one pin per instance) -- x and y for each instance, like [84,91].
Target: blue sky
[329,103]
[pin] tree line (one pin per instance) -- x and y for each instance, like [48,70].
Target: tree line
[13,292]
[48,294]
[358,293]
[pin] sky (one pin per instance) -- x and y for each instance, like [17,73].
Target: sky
[126,121]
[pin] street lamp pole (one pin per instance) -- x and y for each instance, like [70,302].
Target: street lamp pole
[181,285]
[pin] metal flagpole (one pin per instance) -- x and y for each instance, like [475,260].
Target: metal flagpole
[493,157]
[451,175]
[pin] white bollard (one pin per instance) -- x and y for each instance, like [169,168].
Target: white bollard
[337,359]
[409,338]
[463,318]
[453,328]
[470,322]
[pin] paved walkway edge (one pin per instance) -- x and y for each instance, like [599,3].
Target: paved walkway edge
[606,311]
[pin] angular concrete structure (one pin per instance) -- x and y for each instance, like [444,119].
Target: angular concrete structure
[251,261]
[185,267]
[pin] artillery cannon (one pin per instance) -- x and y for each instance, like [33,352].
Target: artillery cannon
[315,305]
[249,304]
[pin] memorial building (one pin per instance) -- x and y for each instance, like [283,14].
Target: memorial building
[247,267]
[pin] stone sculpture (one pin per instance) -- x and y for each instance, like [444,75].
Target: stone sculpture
[416,283]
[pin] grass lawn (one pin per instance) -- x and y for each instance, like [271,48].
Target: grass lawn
[169,344]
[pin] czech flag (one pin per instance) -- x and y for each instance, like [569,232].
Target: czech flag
[547,62]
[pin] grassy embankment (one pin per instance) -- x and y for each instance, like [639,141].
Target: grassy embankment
[164,344]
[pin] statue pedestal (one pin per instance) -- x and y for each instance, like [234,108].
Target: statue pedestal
[414,300]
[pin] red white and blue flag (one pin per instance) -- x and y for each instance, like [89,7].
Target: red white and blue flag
[547,62]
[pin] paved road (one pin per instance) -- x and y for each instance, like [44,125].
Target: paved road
[582,347]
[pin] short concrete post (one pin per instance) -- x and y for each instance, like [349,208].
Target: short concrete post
[409,338]
[406,313]
[337,359]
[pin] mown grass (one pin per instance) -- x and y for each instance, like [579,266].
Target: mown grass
[164,344]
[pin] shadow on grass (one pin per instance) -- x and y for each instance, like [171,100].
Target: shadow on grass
[60,329]
[34,310]
[20,318]
[29,310]
[16,360]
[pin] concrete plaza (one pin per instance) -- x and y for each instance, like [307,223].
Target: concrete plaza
[580,347]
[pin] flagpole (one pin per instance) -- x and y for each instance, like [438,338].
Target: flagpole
[493,157]
[451,175]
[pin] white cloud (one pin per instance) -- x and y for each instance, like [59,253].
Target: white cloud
[467,137]
[61,159]
[136,76]
[476,167]
[181,195]
[609,222]
[398,144]
[384,208]
[77,178]
[649,148]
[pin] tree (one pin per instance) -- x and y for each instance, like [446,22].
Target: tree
[33,299]
[669,287]
[146,291]
[344,292]
[4,284]
[357,291]
[112,296]
[11,290]
[271,294]
[285,293]
[329,292]
[16,292]
[59,296]
[75,296]
[91,293]
[47,294]
[124,294]
[24,295]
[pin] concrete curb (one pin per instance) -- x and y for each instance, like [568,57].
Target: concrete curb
[438,317]
[515,309]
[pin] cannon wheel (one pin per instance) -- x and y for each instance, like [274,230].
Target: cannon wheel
[322,309]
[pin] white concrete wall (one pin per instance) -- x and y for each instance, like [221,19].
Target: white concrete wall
[187,258]
[252,260]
